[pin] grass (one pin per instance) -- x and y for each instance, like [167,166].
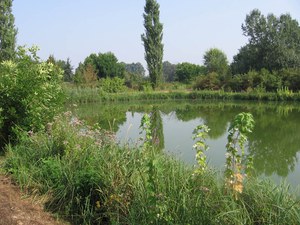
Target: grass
[86,94]
[90,180]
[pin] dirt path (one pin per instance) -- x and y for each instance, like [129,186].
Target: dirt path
[15,210]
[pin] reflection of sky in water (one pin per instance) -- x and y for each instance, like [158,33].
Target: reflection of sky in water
[179,142]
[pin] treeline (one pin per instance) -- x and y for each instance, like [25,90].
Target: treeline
[268,62]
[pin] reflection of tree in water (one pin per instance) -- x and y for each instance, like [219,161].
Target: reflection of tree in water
[110,117]
[217,121]
[157,129]
[275,142]
[216,118]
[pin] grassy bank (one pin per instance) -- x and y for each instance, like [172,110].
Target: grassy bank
[88,179]
[83,95]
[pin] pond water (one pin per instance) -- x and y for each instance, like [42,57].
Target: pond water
[274,143]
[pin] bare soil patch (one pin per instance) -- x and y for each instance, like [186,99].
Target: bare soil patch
[15,209]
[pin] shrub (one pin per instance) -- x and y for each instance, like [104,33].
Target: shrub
[210,81]
[30,93]
[290,78]
[112,85]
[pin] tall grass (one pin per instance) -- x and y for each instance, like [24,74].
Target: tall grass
[86,94]
[90,180]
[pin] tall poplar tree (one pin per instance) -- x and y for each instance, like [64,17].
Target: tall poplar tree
[8,32]
[153,42]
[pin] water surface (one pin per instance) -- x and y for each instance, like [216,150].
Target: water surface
[274,143]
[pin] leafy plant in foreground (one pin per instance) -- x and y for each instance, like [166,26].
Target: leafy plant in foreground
[146,127]
[237,163]
[157,212]
[30,93]
[200,134]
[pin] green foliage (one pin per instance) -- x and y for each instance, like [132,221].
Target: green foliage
[152,126]
[169,70]
[216,61]
[134,75]
[64,162]
[145,86]
[146,127]
[152,40]
[273,43]
[156,126]
[1,119]
[270,81]
[65,66]
[237,163]
[210,81]
[135,68]
[107,65]
[67,69]
[186,72]
[8,32]
[112,85]
[30,93]
[290,78]
[87,94]
[200,135]
[97,66]
[90,180]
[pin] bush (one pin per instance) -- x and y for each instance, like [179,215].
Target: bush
[112,85]
[30,93]
[65,162]
[290,78]
[210,81]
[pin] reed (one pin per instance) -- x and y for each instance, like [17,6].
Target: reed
[86,94]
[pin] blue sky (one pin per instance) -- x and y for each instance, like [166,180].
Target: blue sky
[77,28]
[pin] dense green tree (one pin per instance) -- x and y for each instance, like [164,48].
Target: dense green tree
[186,72]
[135,68]
[244,61]
[210,81]
[169,70]
[152,40]
[67,68]
[273,43]
[8,32]
[105,65]
[216,61]
[134,75]
[86,75]
[78,76]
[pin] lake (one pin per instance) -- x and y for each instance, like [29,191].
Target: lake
[274,143]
